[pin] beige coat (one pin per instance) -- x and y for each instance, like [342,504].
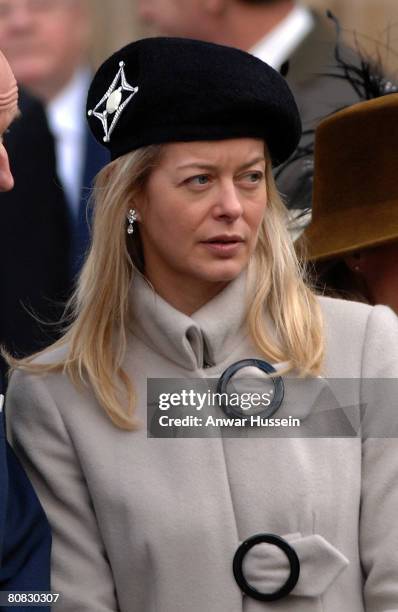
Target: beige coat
[152,525]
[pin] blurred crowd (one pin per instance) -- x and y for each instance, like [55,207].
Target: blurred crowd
[45,219]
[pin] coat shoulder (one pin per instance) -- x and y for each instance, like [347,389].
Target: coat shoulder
[359,338]
[54,354]
[342,310]
[24,384]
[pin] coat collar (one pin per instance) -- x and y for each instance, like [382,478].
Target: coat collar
[280,43]
[203,339]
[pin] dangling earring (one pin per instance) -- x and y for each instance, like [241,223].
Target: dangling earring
[131,218]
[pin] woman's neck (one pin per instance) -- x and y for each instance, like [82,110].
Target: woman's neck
[186,294]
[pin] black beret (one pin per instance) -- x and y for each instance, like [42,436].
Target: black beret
[160,90]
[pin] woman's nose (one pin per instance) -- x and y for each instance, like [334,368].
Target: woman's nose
[229,203]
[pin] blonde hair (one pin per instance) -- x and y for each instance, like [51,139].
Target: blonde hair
[95,340]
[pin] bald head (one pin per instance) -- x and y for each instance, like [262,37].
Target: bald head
[8,111]
[238,23]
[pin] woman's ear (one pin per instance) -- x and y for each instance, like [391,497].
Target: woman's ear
[139,202]
[354,261]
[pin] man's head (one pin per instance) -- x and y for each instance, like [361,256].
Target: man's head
[222,21]
[185,18]
[8,112]
[45,41]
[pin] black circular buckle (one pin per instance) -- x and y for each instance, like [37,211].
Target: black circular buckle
[279,389]
[291,554]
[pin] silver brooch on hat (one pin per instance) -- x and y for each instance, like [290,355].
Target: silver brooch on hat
[110,107]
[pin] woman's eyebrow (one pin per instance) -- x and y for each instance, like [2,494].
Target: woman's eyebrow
[207,166]
[252,162]
[200,165]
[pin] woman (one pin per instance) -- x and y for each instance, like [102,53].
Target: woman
[191,270]
[353,238]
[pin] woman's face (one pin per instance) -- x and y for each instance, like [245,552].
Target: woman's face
[201,211]
[378,267]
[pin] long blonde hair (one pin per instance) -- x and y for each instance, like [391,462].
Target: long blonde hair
[98,312]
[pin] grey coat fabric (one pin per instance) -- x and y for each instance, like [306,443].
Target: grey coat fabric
[144,525]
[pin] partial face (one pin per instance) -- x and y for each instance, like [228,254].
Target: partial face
[201,212]
[44,41]
[172,17]
[379,268]
[6,178]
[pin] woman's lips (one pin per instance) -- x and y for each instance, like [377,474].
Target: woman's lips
[224,249]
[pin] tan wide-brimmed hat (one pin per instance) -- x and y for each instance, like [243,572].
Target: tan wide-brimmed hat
[355,197]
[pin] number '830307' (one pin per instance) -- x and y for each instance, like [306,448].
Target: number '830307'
[32,598]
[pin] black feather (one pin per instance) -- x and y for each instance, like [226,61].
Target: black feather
[368,79]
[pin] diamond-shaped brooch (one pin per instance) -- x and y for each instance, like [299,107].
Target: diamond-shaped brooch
[110,107]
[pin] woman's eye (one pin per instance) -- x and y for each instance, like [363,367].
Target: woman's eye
[254,177]
[200,179]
